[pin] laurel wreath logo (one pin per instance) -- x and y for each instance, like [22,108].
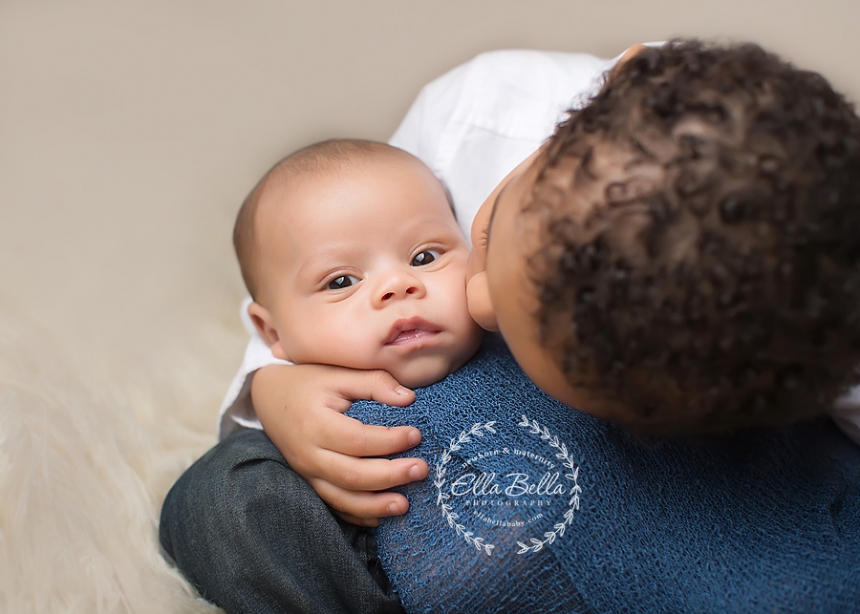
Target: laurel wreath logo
[450,516]
[562,455]
[480,430]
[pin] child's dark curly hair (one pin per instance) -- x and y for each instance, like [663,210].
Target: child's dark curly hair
[714,282]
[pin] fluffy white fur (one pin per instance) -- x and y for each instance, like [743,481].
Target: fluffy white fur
[89,446]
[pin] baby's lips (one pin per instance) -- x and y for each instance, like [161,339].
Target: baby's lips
[401,329]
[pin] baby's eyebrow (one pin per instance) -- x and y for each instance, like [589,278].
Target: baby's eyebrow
[316,263]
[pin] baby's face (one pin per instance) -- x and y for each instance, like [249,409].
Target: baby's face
[365,268]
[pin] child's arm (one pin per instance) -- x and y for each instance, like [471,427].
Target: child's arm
[301,409]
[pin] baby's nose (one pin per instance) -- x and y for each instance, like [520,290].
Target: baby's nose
[399,285]
[392,294]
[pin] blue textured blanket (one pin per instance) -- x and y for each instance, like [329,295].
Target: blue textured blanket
[532,506]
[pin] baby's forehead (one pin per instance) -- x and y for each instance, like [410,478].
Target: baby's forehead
[294,182]
[337,158]
[306,189]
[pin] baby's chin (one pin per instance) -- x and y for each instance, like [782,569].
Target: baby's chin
[420,378]
[425,371]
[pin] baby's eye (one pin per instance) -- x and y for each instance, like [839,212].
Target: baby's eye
[425,257]
[344,281]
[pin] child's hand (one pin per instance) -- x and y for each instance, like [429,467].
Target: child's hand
[301,408]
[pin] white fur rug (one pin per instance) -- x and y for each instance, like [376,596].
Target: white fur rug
[89,446]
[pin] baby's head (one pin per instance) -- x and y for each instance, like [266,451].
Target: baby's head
[353,257]
[684,253]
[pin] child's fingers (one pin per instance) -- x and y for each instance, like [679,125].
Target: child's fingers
[349,436]
[360,508]
[370,474]
[375,385]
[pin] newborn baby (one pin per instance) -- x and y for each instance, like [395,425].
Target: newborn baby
[353,257]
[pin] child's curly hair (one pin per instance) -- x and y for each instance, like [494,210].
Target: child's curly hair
[716,285]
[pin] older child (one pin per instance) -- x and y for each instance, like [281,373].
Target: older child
[682,255]
[613,213]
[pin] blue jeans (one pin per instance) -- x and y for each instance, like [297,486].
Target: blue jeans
[252,536]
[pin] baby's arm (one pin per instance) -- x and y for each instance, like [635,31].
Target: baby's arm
[301,409]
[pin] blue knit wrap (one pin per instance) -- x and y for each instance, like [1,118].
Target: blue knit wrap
[532,506]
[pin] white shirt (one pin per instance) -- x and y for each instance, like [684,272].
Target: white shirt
[472,126]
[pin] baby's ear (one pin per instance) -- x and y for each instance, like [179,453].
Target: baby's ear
[265,325]
[480,305]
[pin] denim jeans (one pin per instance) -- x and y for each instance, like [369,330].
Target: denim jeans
[252,536]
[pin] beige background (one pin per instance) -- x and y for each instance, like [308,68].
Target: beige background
[130,131]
